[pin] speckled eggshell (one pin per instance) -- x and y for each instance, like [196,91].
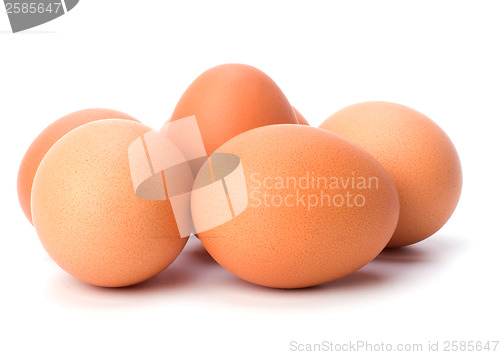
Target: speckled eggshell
[46,140]
[87,215]
[230,99]
[418,155]
[298,245]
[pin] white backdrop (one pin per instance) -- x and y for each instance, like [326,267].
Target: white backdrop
[441,58]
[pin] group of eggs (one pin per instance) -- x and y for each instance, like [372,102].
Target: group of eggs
[74,185]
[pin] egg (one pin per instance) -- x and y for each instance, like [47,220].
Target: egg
[87,215]
[319,207]
[230,99]
[418,155]
[46,140]
[300,118]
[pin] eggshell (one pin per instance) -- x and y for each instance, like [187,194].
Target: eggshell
[300,118]
[285,243]
[418,155]
[46,140]
[230,99]
[87,215]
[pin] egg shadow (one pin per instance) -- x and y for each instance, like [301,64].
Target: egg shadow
[370,275]
[404,255]
[436,249]
[393,269]
[195,273]
[185,270]
[181,274]
[363,278]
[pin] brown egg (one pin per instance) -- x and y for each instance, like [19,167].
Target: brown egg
[87,215]
[418,155]
[230,99]
[300,118]
[46,140]
[319,208]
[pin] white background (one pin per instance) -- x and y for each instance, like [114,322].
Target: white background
[439,57]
